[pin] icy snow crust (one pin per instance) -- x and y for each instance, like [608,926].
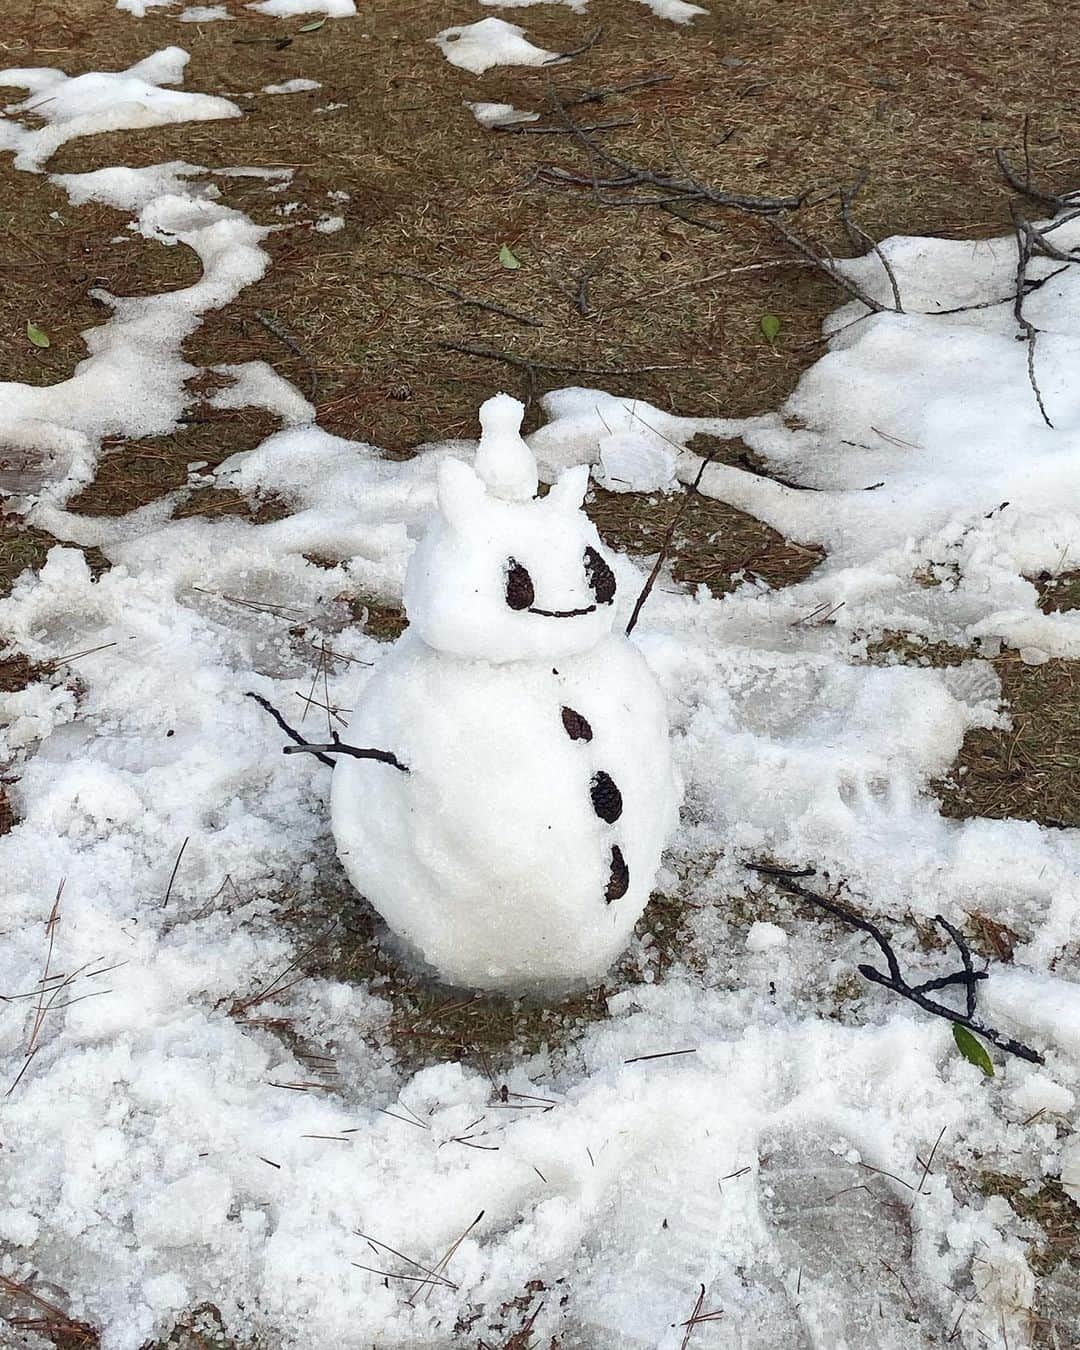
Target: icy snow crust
[149,1162]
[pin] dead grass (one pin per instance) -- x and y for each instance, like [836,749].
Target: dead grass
[1031,771]
[431,1021]
[1057,593]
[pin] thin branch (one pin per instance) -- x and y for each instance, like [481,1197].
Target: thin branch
[529,129]
[894,980]
[335,746]
[590,41]
[288,730]
[469,300]
[1025,245]
[861,239]
[598,95]
[665,543]
[532,363]
[272,326]
[176,868]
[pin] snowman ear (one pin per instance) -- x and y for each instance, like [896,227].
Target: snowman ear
[460,493]
[569,491]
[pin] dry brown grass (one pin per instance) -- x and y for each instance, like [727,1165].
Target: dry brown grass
[1032,770]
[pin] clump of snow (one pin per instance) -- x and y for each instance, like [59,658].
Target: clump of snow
[139,7]
[499,114]
[255,384]
[285,9]
[631,462]
[203,14]
[765,937]
[85,105]
[678,11]
[298,86]
[477,47]
[330,224]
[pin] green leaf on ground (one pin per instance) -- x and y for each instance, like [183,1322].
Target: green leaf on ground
[972,1049]
[508,257]
[37,335]
[770,326]
[311,25]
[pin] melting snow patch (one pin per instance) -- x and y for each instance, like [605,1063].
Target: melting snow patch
[291,87]
[284,9]
[84,105]
[490,42]
[499,114]
[133,380]
[330,224]
[678,11]
[255,384]
[204,14]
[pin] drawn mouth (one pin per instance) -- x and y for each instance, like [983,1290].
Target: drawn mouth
[562,613]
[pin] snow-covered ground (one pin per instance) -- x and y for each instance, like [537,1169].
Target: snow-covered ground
[781,1163]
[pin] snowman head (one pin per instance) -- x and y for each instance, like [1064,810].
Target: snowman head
[504,575]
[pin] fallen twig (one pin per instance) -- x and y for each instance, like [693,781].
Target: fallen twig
[894,980]
[590,41]
[532,363]
[598,95]
[530,129]
[56,1325]
[272,326]
[1025,246]
[665,544]
[470,300]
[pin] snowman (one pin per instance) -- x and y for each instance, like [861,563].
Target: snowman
[510,825]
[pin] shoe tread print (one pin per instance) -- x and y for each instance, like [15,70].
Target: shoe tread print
[844,1240]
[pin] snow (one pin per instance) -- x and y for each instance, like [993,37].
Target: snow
[678,11]
[203,14]
[151,1164]
[298,86]
[630,463]
[499,114]
[85,105]
[285,9]
[477,47]
[133,380]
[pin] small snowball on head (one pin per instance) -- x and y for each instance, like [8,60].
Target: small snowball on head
[503,460]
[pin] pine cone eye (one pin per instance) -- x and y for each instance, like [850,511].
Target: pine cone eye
[600,576]
[519,587]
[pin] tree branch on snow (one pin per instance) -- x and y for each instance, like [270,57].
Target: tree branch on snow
[1027,239]
[893,979]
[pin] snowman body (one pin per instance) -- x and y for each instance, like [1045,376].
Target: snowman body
[518,846]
